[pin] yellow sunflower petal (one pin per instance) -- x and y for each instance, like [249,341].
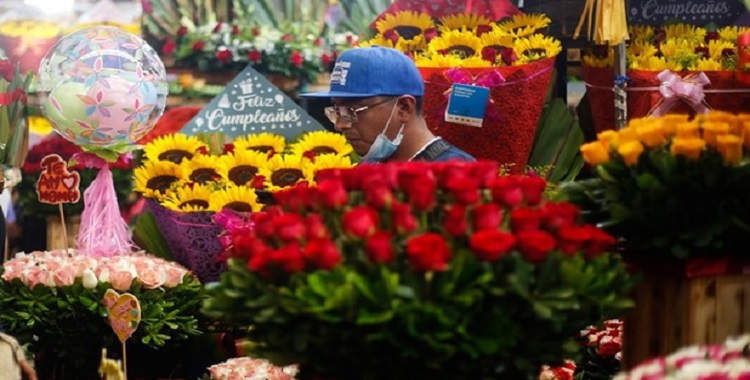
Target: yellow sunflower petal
[324,161]
[282,171]
[716,48]
[477,62]
[437,61]
[706,64]
[236,198]
[321,142]
[456,42]
[378,40]
[524,25]
[686,32]
[154,178]
[241,166]
[201,168]
[536,47]
[189,198]
[173,148]
[463,21]
[262,142]
[406,24]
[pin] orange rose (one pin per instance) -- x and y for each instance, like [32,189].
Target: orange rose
[594,153]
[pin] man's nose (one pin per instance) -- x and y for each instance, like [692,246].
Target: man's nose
[340,125]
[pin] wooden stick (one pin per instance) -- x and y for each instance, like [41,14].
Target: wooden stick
[64,227]
[125,360]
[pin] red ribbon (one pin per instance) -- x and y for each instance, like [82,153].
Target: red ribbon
[7,98]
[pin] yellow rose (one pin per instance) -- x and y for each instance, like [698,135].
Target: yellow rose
[607,138]
[670,122]
[730,147]
[746,133]
[594,153]
[687,130]
[626,135]
[713,129]
[651,135]
[690,147]
[630,152]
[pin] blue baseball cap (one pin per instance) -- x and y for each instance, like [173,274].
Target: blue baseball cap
[372,71]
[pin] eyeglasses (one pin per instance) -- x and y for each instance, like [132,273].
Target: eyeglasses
[348,114]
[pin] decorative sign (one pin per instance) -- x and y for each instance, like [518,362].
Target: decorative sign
[696,12]
[251,104]
[124,313]
[56,184]
[466,105]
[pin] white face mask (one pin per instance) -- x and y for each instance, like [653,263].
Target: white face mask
[383,148]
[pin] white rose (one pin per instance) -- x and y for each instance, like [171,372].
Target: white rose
[89,279]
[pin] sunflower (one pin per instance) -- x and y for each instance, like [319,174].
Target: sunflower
[686,32]
[462,21]
[324,161]
[417,43]
[655,64]
[201,168]
[462,44]
[321,142]
[673,47]
[236,198]
[730,33]
[39,125]
[262,142]
[242,166]
[378,40]
[173,148]
[406,24]
[437,61]
[536,47]
[189,198]
[716,48]
[706,64]
[524,25]
[640,33]
[154,178]
[594,61]
[282,171]
[641,49]
[497,40]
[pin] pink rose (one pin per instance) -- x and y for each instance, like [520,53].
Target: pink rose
[35,276]
[174,276]
[64,276]
[152,278]
[121,280]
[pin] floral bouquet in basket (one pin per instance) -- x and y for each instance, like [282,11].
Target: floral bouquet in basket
[418,270]
[672,185]
[53,302]
[250,369]
[728,361]
[187,183]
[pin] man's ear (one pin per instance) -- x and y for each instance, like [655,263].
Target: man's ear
[407,108]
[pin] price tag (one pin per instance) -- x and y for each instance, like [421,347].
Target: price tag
[467,104]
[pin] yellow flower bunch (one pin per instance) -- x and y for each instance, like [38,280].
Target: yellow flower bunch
[30,28]
[726,133]
[179,172]
[470,41]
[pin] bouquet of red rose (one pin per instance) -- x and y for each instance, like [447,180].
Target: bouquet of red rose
[418,270]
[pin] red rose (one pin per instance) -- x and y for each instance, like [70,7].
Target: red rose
[256,31]
[259,262]
[609,346]
[482,29]
[533,188]
[379,247]
[258,182]
[217,28]
[287,37]
[329,174]
[535,245]
[525,219]
[447,171]
[223,55]
[332,194]
[491,245]
[391,35]
[403,221]
[430,33]
[421,192]
[487,216]
[711,36]
[263,221]
[428,252]
[169,47]
[455,223]
[598,242]
[316,229]
[182,31]
[254,56]
[570,238]
[322,253]
[465,190]
[489,54]
[246,246]
[297,59]
[555,215]
[509,56]
[326,59]
[289,227]
[235,30]
[361,222]
[318,42]
[349,39]
[198,46]
[485,171]
[408,173]
[289,258]
[378,196]
[506,190]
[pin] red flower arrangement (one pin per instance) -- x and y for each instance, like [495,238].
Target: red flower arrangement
[439,270]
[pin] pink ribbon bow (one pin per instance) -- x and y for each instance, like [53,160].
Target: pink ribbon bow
[675,89]
[487,79]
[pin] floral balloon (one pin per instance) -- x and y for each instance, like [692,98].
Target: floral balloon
[102,88]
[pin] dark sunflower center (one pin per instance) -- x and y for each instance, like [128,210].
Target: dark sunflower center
[161,183]
[262,148]
[175,155]
[408,32]
[199,203]
[242,173]
[286,177]
[462,50]
[239,206]
[537,52]
[318,150]
[203,175]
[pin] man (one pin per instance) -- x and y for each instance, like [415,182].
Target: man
[377,104]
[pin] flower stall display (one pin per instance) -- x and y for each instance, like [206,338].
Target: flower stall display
[677,68]
[26,41]
[14,129]
[186,184]
[719,361]
[251,369]
[53,301]
[513,58]
[417,270]
[563,372]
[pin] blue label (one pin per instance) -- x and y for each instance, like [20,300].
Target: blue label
[467,104]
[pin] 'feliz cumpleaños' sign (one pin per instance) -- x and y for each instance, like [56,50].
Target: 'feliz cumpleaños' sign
[696,12]
[251,104]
